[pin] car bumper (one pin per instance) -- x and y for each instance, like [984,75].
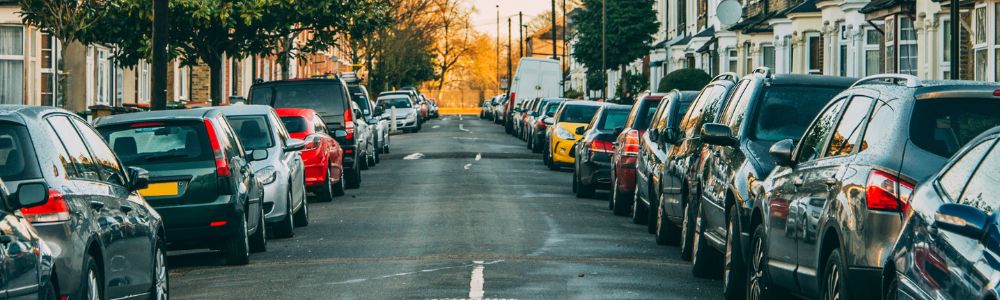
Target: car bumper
[275,204]
[189,226]
[626,178]
[561,152]
[596,172]
[861,281]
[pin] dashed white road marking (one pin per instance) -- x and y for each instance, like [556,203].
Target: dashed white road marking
[436,126]
[468,166]
[477,281]
[479,156]
[414,156]
[460,118]
[462,128]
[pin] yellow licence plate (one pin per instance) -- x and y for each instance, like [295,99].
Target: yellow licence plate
[160,189]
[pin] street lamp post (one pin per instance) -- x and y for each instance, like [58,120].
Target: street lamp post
[498,49]
[555,53]
[161,34]
[955,32]
[520,33]
[604,50]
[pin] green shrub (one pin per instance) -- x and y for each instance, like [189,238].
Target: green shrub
[684,80]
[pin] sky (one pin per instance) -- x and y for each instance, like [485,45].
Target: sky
[484,19]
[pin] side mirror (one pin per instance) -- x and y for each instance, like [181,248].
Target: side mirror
[782,152]
[340,134]
[258,155]
[30,195]
[717,134]
[961,219]
[549,120]
[670,135]
[294,145]
[654,135]
[138,178]
[379,110]
[581,129]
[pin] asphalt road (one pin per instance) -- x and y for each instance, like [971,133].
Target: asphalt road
[473,215]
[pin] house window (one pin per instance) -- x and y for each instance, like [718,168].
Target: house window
[907,46]
[814,52]
[734,60]
[48,79]
[789,54]
[873,51]
[945,62]
[119,82]
[980,46]
[11,65]
[981,25]
[181,83]
[981,61]
[767,56]
[143,83]
[103,76]
[842,51]
[890,44]
[746,54]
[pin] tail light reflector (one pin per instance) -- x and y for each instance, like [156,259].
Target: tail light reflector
[887,193]
[349,124]
[601,146]
[54,210]
[221,164]
[631,145]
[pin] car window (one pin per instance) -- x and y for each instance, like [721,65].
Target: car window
[324,98]
[786,111]
[983,189]
[295,124]
[942,126]
[254,131]
[105,160]
[734,99]
[551,108]
[694,114]
[397,102]
[577,113]
[814,139]
[954,180]
[318,125]
[17,155]
[737,107]
[662,115]
[613,119]
[279,128]
[845,138]
[75,147]
[174,142]
[227,138]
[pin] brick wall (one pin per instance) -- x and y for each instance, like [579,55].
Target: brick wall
[200,84]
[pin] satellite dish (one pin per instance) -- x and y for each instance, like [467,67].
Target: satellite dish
[729,12]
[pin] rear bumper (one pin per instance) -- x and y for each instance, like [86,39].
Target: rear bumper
[626,178]
[189,226]
[596,172]
[861,281]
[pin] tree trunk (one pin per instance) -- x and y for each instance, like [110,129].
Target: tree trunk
[215,83]
[161,34]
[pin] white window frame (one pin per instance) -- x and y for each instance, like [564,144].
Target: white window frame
[22,58]
[808,53]
[980,69]
[143,82]
[945,65]
[789,54]
[774,57]
[868,29]
[996,42]
[732,59]
[901,43]
[103,73]
[182,82]
[53,64]
[842,58]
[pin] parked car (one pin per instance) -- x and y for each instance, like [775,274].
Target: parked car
[950,230]
[485,109]
[534,78]
[378,126]
[537,138]
[835,204]
[406,116]
[592,169]
[653,148]
[330,98]
[365,135]
[25,260]
[518,117]
[678,175]
[322,156]
[433,108]
[500,115]
[572,115]
[626,152]
[281,172]
[200,178]
[74,190]
[531,116]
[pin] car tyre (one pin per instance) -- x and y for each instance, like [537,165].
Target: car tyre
[651,213]
[286,227]
[48,290]
[734,268]
[326,191]
[704,260]
[258,242]
[687,230]
[341,185]
[354,177]
[617,201]
[93,281]
[834,286]
[236,250]
[160,290]
[302,216]
[638,211]
[758,280]
[364,161]
[666,232]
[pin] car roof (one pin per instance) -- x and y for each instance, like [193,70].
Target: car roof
[244,109]
[300,112]
[585,103]
[618,107]
[810,80]
[18,113]
[166,115]
[299,80]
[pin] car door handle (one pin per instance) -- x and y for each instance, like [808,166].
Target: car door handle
[830,181]
[798,181]
[96,205]
[125,208]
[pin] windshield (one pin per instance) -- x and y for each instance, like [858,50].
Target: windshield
[156,142]
[578,113]
[613,119]
[942,126]
[295,124]
[645,110]
[324,98]
[17,155]
[397,102]
[254,131]
[788,110]
[551,108]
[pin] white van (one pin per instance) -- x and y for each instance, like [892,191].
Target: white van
[535,78]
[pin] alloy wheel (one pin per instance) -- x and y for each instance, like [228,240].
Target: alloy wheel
[93,286]
[755,281]
[833,282]
[162,285]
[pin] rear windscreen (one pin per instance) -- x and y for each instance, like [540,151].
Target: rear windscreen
[156,142]
[551,108]
[401,102]
[325,99]
[942,126]
[295,124]
[254,131]
[17,156]
[578,113]
[644,114]
[788,110]
[613,119]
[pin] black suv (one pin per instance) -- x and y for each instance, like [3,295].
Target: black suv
[762,110]
[678,177]
[330,98]
[825,220]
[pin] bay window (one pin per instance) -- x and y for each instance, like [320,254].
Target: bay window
[873,51]
[11,65]
[767,56]
[945,37]
[814,53]
[907,46]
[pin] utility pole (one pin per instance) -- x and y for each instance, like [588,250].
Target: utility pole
[955,33]
[509,64]
[161,34]
[604,50]
[520,30]
[565,57]
[498,49]
[555,53]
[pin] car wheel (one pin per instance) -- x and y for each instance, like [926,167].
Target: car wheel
[704,260]
[757,282]
[576,184]
[286,227]
[325,192]
[584,190]
[618,201]
[734,268]
[378,155]
[258,242]
[354,177]
[161,280]
[687,230]
[651,211]
[833,277]
[93,282]
[236,250]
[341,185]
[638,211]
[890,285]
[364,161]
[666,232]
[302,216]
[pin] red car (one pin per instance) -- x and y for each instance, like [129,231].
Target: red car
[626,151]
[323,157]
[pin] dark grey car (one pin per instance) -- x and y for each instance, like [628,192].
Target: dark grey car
[25,261]
[108,241]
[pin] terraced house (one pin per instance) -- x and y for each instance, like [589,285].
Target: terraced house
[832,37]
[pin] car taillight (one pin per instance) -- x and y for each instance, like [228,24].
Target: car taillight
[349,124]
[601,146]
[887,193]
[631,146]
[221,164]
[540,123]
[312,143]
[54,210]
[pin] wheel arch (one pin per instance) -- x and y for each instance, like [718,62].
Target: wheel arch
[830,240]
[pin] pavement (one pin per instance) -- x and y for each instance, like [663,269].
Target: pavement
[458,211]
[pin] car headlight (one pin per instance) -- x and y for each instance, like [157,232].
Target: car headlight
[267,175]
[562,133]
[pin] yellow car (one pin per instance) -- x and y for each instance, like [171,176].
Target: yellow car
[565,131]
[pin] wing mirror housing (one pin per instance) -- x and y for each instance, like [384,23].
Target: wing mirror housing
[581,130]
[258,155]
[138,178]
[379,110]
[29,195]
[294,145]
[962,219]
[717,134]
[340,134]
[782,152]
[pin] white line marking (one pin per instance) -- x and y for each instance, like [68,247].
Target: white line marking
[468,166]
[462,128]
[460,118]
[436,126]
[479,156]
[476,283]
[413,156]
